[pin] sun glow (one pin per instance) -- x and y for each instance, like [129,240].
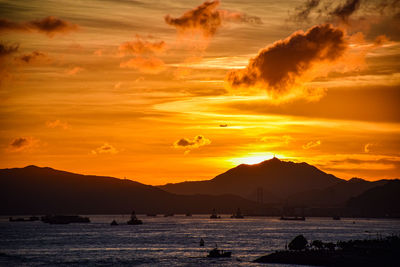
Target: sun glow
[254,159]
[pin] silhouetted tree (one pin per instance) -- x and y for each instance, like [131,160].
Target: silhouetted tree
[298,243]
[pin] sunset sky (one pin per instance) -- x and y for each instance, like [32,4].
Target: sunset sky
[175,90]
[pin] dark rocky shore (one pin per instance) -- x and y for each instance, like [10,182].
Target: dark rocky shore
[371,252]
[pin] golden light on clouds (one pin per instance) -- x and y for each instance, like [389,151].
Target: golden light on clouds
[117,87]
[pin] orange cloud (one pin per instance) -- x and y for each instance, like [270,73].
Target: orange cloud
[150,65]
[106,148]
[140,47]
[278,67]
[188,144]
[367,148]
[49,26]
[74,70]
[57,124]
[312,144]
[22,144]
[206,19]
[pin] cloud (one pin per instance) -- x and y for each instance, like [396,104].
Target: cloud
[344,11]
[277,140]
[151,65]
[311,144]
[106,148]
[57,124]
[6,50]
[22,144]
[141,46]
[74,70]
[303,11]
[277,68]
[188,144]
[367,148]
[29,58]
[48,25]
[206,19]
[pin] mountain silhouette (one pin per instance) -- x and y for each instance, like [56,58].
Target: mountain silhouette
[379,201]
[36,190]
[334,195]
[278,180]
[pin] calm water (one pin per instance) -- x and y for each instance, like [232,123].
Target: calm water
[171,241]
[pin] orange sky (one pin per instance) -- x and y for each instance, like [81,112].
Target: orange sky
[168,91]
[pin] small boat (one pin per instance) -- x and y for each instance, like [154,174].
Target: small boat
[114,222]
[237,215]
[336,218]
[64,219]
[218,253]
[214,215]
[201,242]
[295,218]
[134,220]
[188,214]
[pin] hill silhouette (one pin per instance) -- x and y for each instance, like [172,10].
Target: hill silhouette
[379,201]
[335,195]
[36,190]
[278,179]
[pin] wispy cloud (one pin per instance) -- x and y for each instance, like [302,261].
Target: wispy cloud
[312,144]
[21,144]
[106,148]
[58,124]
[48,25]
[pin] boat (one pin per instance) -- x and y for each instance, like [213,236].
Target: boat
[64,219]
[237,215]
[214,215]
[114,222]
[295,218]
[218,253]
[201,242]
[336,218]
[188,214]
[134,220]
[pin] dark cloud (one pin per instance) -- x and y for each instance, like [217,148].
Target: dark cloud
[197,141]
[206,18]
[49,26]
[22,144]
[346,10]
[303,11]
[28,58]
[6,50]
[277,67]
[19,142]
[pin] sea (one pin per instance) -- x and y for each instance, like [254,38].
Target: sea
[170,241]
